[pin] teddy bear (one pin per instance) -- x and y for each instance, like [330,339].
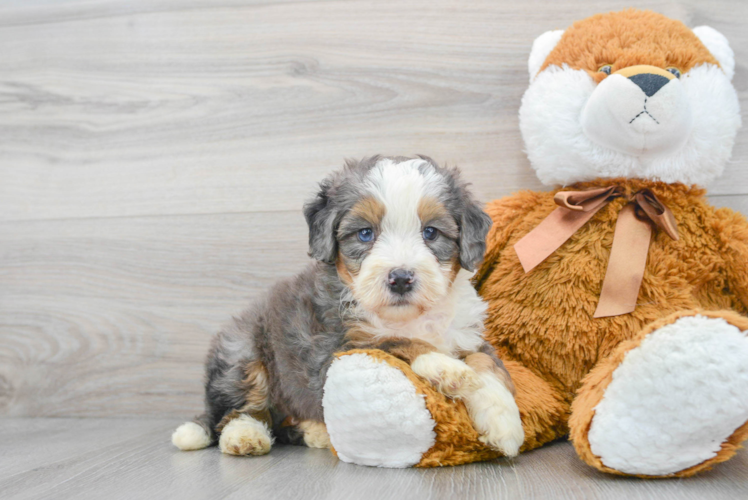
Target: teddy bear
[618,300]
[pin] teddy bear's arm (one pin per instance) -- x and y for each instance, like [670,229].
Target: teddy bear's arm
[506,214]
[732,228]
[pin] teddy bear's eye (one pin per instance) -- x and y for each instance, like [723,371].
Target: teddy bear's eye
[605,69]
[674,71]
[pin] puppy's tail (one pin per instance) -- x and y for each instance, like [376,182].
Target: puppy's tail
[194,435]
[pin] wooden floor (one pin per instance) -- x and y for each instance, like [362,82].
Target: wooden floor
[119,458]
[154,158]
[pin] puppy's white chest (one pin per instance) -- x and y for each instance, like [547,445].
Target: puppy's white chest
[454,324]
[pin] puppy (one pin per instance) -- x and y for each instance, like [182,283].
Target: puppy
[395,242]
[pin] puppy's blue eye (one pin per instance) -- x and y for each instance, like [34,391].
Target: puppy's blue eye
[365,235]
[430,233]
[674,71]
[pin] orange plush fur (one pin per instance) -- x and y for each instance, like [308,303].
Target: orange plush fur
[543,321]
[628,38]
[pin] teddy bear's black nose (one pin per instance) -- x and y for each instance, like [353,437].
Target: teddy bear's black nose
[649,83]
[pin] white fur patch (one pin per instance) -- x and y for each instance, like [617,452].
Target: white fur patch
[562,154]
[450,376]
[495,415]
[541,48]
[674,399]
[190,436]
[490,404]
[245,436]
[400,187]
[374,415]
[620,116]
[454,323]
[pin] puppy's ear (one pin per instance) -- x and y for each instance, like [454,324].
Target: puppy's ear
[474,227]
[320,216]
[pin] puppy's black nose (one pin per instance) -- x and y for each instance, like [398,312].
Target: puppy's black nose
[649,83]
[401,281]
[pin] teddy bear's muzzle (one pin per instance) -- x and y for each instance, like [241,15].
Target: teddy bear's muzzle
[640,111]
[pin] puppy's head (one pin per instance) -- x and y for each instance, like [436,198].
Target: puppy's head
[398,231]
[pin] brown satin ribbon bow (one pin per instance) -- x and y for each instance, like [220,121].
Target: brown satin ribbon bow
[628,256]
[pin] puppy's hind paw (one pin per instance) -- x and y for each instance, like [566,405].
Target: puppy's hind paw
[450,376]
[245,436]
[315,434]
[496,416]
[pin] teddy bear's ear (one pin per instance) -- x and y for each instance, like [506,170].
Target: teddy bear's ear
[541,47]
[719,47]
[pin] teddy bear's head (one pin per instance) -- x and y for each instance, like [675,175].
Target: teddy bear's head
[630,94]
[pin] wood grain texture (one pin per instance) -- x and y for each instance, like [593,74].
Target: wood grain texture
[115,108]
[107,317]
[116,458]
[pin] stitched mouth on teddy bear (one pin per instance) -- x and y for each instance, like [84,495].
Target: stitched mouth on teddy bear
[649,115]
[644,112]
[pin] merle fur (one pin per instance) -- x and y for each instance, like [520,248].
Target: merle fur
[296,329]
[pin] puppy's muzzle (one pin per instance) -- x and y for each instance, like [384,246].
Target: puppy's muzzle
[401,281]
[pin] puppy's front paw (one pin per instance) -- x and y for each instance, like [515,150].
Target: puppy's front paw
[245,436]
[450,376]
[496,416]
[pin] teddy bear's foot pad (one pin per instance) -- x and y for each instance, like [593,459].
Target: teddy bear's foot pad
[675,399]
[374,414]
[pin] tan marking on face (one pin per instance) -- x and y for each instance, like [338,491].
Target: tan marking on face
[345,272]
[456,266]
[430,209]
[482,363]
[369,209]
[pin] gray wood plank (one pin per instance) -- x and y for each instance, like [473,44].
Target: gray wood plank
[108,317]
[116,458]
[113,108]
[739,203]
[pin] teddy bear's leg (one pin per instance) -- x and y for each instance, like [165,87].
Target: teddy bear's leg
[670,402]
[379,412]
[543,410]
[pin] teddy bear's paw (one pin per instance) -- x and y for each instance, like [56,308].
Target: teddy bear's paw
[245,436]
[495,416]
[315,434]
[190,436]
[448,375]
[674,399]
[374,414]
